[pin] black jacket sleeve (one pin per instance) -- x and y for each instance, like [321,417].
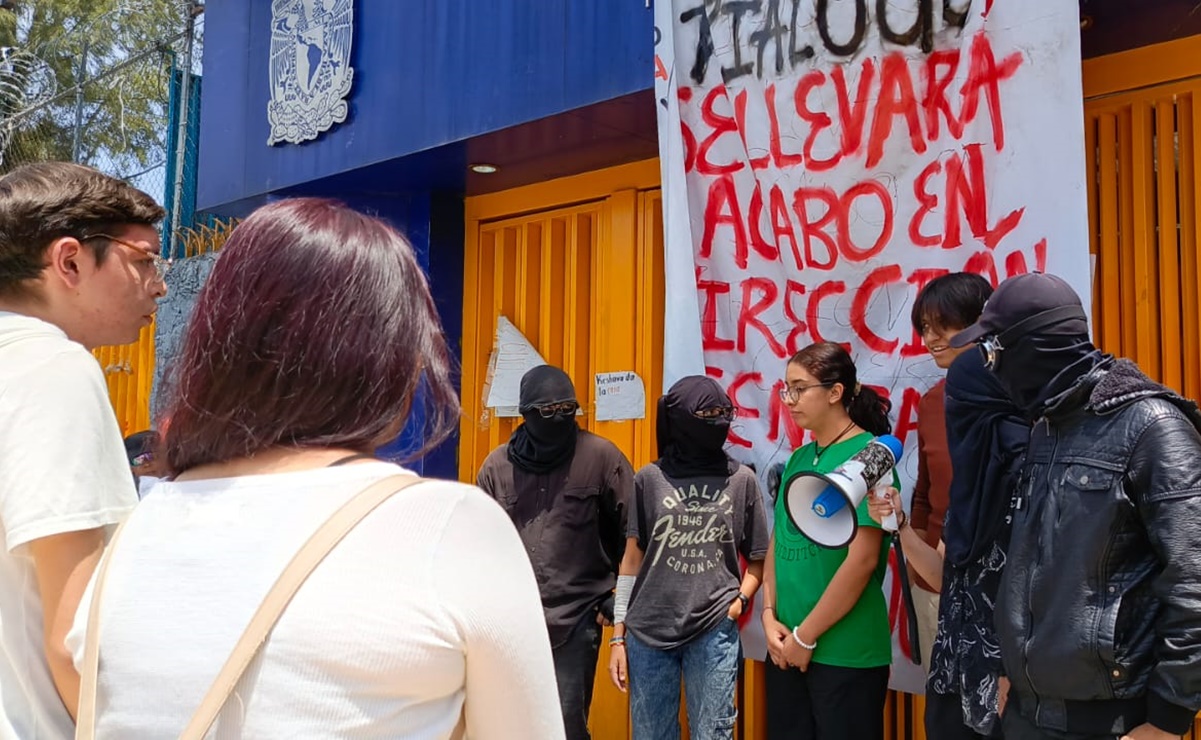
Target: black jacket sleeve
[615,503]
[1164,478]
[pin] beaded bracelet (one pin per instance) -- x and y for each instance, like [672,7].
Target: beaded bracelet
[801,642]
[616,641]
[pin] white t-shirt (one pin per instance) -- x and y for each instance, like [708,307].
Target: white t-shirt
[62,469]
[426,618]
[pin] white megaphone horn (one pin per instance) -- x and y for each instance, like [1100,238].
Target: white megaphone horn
[823,505]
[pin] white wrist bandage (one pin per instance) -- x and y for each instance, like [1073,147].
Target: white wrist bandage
[621,600]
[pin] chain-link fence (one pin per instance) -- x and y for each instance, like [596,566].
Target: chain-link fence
[114,84]
[101,82]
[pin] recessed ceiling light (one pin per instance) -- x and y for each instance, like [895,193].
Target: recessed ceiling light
[484,169]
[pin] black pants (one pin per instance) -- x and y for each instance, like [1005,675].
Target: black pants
[1018,727]
[575,672]
[826,703]
[944,719]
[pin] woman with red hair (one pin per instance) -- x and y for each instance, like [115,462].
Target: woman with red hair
[310,345]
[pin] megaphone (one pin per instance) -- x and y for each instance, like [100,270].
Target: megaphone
[823,505]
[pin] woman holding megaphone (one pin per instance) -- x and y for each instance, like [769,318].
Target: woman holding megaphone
[824,612]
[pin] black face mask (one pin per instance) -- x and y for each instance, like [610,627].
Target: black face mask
[688,445]
[986,436]
[1038,367]
[544,443]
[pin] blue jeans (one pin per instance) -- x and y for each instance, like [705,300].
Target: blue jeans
[709,666]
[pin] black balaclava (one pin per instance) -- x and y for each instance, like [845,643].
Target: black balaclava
[1042,329]
[543,445]
[1040,366]
[688,445]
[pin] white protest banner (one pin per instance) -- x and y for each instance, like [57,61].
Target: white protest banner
[824,159]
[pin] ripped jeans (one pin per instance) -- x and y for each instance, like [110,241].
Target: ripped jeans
[708,665]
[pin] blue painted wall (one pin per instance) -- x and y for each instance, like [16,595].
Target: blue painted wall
[430,77]
[428,73]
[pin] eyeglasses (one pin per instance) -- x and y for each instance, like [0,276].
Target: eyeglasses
[990,347]
[792,394]
[715,412]
[161,266]
[565,408]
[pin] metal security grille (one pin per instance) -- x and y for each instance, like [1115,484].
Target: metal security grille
[537,272]
[129,372]
[1144,153]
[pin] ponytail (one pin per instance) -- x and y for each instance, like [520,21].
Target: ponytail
[868,409]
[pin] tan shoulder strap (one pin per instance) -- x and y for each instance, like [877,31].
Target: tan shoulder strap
[85,718]
[310,555]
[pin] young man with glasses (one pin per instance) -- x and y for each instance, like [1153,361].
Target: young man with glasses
[1099,609]
[566,490]
[79,269]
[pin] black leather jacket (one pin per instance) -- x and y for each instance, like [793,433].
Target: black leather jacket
[1099,612]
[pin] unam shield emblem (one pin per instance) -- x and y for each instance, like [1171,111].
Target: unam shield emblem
[310,67]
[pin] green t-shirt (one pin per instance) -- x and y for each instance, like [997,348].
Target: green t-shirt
[861,639]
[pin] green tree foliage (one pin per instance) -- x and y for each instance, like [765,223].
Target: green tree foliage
[87,80]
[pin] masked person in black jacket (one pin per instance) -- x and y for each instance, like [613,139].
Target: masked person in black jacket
[1099,610]
[566,490]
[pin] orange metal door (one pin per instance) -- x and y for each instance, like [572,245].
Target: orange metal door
[1143,141]
[1142,115]
[583,282]
[579,272]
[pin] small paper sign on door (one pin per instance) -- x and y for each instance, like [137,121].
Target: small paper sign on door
[620,396]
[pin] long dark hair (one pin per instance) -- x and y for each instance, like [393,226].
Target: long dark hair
[829,363]
[315,329]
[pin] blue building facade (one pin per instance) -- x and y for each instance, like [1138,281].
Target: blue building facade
[548,89]
[540,89]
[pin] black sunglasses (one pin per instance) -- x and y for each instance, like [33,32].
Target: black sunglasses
[566,408]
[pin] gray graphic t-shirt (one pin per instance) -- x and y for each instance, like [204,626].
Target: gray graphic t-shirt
[691,531]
